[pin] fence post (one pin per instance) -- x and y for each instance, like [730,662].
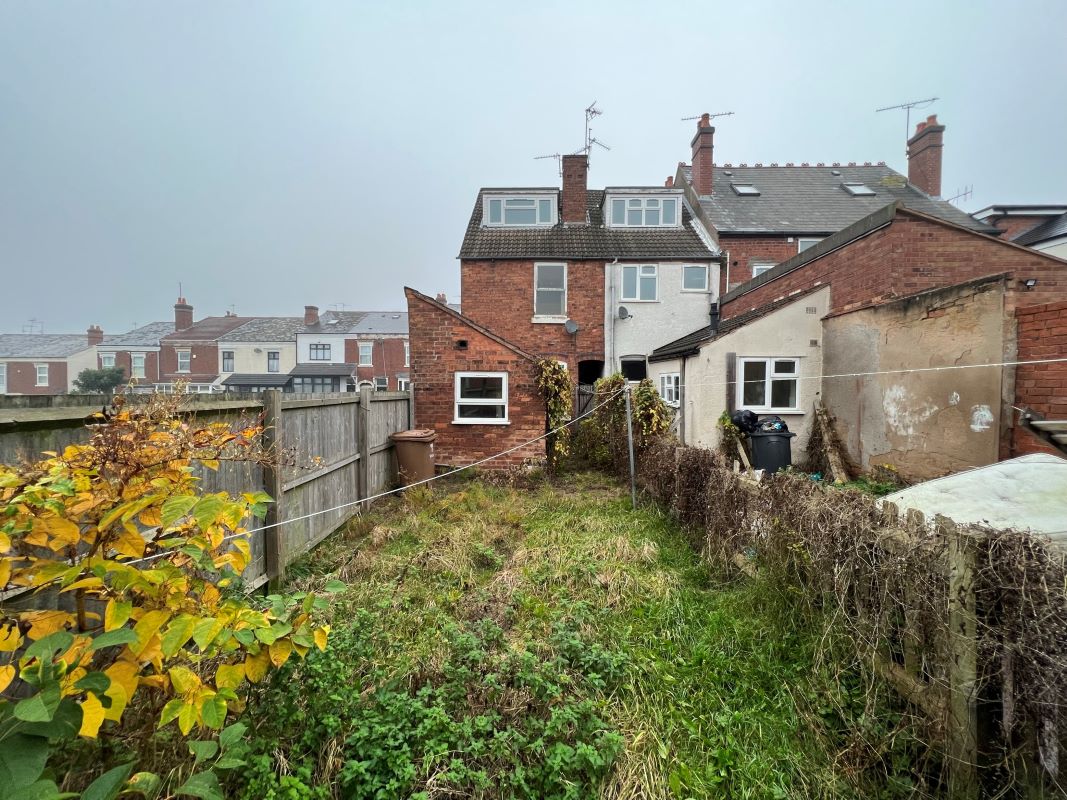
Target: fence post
[963,662]
[273,484]
[630,445]
[364,442]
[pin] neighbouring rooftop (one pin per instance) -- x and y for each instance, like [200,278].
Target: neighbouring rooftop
[41,345]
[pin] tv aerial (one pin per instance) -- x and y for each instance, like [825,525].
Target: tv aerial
[907,112]
[961,194]
[591,112]
[710,116]
[559,161]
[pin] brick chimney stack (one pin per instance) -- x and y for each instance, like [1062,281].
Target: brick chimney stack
[183,315]
[575,175]
[311,315]
[703,144]
[924,156]
[442,298]
[95,335]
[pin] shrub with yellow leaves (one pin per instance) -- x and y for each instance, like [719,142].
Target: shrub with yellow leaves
[134,571]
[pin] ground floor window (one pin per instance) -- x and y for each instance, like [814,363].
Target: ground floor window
[403,384]
[670,389]
[481,398]
[381,384]
[634,368]
[768,384]
[42,374]
[316,385]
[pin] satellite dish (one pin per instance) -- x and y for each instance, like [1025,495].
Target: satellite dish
[624,312]
[570,326]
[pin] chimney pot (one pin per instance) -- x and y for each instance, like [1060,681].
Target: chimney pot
[183,315]
[95,335]
[442,298]
[311,315]
[669,183]
[703,146]
[924,156]
[575,189]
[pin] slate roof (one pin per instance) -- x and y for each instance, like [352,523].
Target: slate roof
[145,336]
[334,322]
[266,329]
[1050,229]
[594,240]
[209,329]
[382,322]
[42,345]
[270,379]
[811,200]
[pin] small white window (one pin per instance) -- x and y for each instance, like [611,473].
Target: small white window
[137,365]
[403,384]
[857,189]
[768,384]
[3,378]
[42,374]
[523,212]
[745,189]
[805,243]
[381,384]
[407,354]
[644,212]
[640,282]
[366,354]
[670,389]
[185,360]
[481,398]
[550,290]
[107,360]
[694,278]
[759,267]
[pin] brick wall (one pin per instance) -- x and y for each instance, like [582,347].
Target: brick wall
[388,359]
[436,357]
[744,250]
[500,296]
[1014,226]
[22,377]
[911,255]
[1042,333]
[124,359]
[204,365]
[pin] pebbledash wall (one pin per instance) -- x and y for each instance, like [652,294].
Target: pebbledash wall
[448,343]
[484,283]
[1042,333]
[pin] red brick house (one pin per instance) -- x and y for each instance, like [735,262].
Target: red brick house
[45,363]
[190,355]
[136,352]
[764,214]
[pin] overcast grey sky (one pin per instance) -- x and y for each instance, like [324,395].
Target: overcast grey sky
[272,154]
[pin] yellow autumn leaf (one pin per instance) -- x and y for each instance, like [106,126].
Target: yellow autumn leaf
[229,676]
[10,639]
[63,532]
[43,623]
[187,718]
[155,681]
[279,652]
[211,464]
[93,715]
[321,635]
[147,627]
[210,598]
[151,517]
[5,542]
[124,681]
[5,571]
[128,541]
[7,674]
[116,614]
[38,536]
[183,680]
[256,665]
[91,582]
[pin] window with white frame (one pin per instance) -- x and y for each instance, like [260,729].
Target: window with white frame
[695,278]
[759,267]
[42,374]
[136,365]
[185,360]
[806,242]
[644,212]
[550,290]
[407,354]
[227,360]
[768,384]
[381,384]
[319,352]
[520,211]
[107,360]
[640,282]
[670,389]
[366,354]
[274,358]
[403,384]
[481,398]
[3,378]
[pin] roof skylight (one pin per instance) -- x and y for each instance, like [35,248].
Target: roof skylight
[745,189]
[857,189]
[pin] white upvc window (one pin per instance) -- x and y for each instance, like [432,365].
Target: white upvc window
[42,374]
[806,242]
[3,378]
[407,354]
[107,360]
[759,267]
[645,212]
[185,360]
[381,384]
[366,354]
[520,211]
[695,278]
[137,365]
[550,291]
[481,398]
[403,384]
[768,384]
[640,283]
[670,387]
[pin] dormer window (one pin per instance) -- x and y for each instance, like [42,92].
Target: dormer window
[857,189]
[745,189]
[520,211]
[646,211]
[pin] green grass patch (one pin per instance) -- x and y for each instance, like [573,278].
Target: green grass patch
[549,642]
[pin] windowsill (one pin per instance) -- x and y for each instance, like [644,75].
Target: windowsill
[546,320]
[696,291]
[481,422]
[625,300]
[755,410]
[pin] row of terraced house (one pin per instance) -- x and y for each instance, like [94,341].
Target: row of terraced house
[771,288]
[336,351]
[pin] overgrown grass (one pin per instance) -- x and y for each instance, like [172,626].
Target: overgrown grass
[547,642]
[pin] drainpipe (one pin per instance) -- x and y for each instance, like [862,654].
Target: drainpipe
[609,357]
[727,270]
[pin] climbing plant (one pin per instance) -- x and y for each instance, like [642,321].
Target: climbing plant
[554,383]
[137,573]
